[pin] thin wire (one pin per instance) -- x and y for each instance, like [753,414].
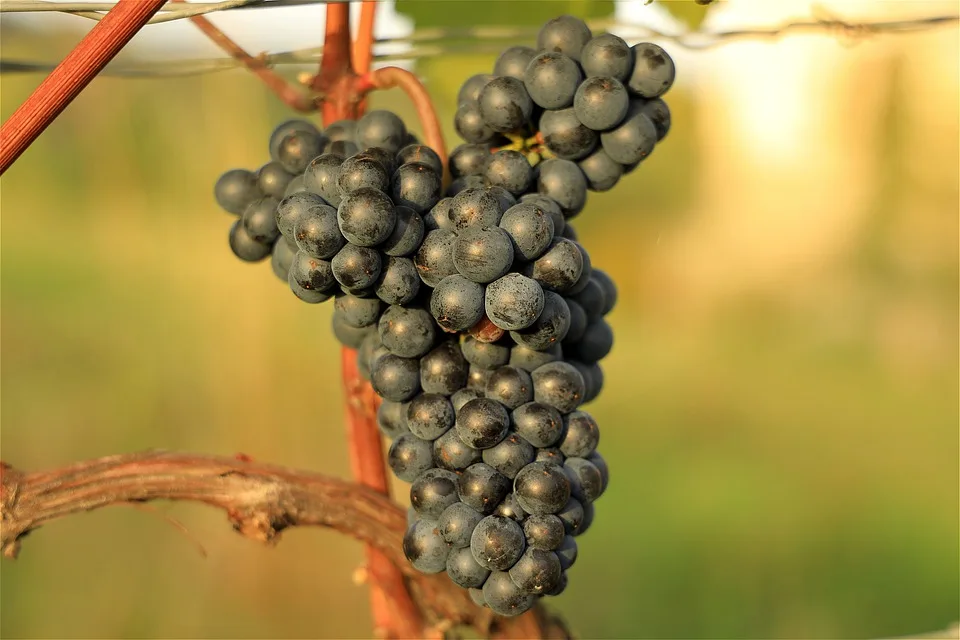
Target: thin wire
[168,13]
[433,42]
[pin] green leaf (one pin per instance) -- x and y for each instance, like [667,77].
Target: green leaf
[525,13]
[689,12]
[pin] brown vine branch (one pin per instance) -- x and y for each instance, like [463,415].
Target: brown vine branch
[260,501]
[257,65]
[75,72]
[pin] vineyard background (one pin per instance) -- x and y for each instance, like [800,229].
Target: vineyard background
[780,413]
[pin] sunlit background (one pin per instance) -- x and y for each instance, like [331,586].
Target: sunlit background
[781,408]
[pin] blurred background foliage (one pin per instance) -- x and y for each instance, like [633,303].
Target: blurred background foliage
[781,407]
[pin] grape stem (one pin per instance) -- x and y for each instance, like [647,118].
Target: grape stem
[72,75]
[260,501]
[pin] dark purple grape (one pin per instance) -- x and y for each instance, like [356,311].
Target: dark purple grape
[561,586]
[272,180]
[341,130]
[391,416]
[444,369]
[477,596]
[536,571]
[297,149]
[284,129]
[481,487]
[559,385]
[483,254]
[387,159]
[361,171]
[600,170]
[588,513]
[596,343]
[470,124]
[409,456]
[586,482]
[439,216]
[312,273]
[550,455]
[562,181]
[296,206]
[458,521]
[564,34]
[408,332]
[511,455]
[356,312]
[565,136]
[607,55]
[356,267]
[514,302]
[513,62]
[475,207]
[451,452]
[530,359]
[551,325]
[381,128]
[396,378]
[463,183]
[486,355]
[282,257]
[235,190]
[509,386]
[464,569]
[591,299]
[609,290]
[468,159]
[294,186]
[417,186]
[552,79]
[315,297]
[504,597]
[399,281]
[601,103]
[482,423]
[505,105]
[653,71]
[260,220]
[470,90]
[434,259]
[542,488]
[341,148]
[539,424]
[550,206]
[424,548]
[509,169]
[430,415]
[456,303]
[510,508]
[420,153]
[592,378]
[497,542]
[544,532]
[477,379]
[315,229]
[601,466]
[659,114]
[433,491]
[320,177]
[633,139]
[559,268]
[463,396]
[245,247]
[504,198]
[530,228]
[366,217]
[571,516]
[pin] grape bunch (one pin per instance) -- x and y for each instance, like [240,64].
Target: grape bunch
[584,110]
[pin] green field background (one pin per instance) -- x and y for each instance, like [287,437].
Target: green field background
[784,461]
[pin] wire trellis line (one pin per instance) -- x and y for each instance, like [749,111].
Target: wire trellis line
[168,13]
[433,42]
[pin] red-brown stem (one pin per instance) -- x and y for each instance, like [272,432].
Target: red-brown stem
[75,72]
[336,80]
[293,98]
[363,45]
[390,77]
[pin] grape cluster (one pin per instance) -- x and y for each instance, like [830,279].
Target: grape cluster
[584,110]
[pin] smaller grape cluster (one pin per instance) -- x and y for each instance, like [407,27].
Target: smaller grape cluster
[592,104]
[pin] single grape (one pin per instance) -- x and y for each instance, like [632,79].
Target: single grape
[456,303]
[564,34]
[504,198]
[312,273]
[595,344]
[298,148]
[592,378]
[607,55]
[444,369]
[565,136]
[315,227]
[321,175]
[510,508]
[600,170]
[381,128]
[439,216]
[509,169]
[424,548]
[475,207]
[550,327]
[539,424]
[260,220]
[483,254]
[482,423]
[286,128]
[653,71]
[601,103]
[551,79]
[586,481]
[315,297]
[463,396]
[550,206]
[396,378]
[346,335]
[569,233]
[633,139]
[430,415]
[510,455]
[387,159]
[282,257]
[245,247]
[341,148]
[562,181]
[571,516]
[497,542]
[659,114]
[463,183]
[592,299]
[468,159]
[370,349]
[235,190]
[477,379]
[542,488]
[504,597]
[409,456]
[434,259]
[464,570]
[578,322]
[391,416]
[513,62]
[481,487]
[451,452]
[294,186]
[366,217]
[361,171]
[407,331]
[514,302]
[486,355]
[559,268]
[433,491]
[601,466]
[356,267]
[272,180]
[357,312]
[470,124]
[470,90]
[417,186]
[399,281]
[458,521]
[544,532]
[561,586]
[588,514]
[509,386]
[505,105]
[537,571]
[530,359]
[559,385]
[550,455]
[530,228]
[418,153]
[477,596]
[341,130]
